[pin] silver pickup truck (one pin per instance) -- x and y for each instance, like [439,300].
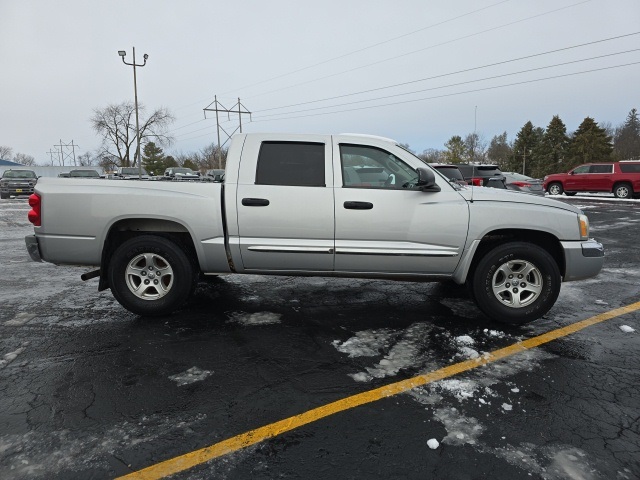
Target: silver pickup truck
[315,205]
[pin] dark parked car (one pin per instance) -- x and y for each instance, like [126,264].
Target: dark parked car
[130,173]
[522,183]
[84,174]
[217,174]
[17,182]
[180,173]
[452,172]
[483,175]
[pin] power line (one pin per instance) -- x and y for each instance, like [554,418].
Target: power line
[324,62]
[454,94]
[450,73]
[464,37]
[454,84]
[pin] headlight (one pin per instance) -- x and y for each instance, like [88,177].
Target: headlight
[583,222]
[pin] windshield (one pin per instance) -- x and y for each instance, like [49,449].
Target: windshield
[18,174]
[132,171]
[84,173]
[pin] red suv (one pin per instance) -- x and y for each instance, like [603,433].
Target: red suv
[620,178]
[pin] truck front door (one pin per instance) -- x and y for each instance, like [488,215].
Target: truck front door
[285,204]
[383,225]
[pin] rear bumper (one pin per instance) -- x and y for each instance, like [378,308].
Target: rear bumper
[33,248]
[582,259]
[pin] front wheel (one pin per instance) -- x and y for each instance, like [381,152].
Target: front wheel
[516,283]
[555,189]
[150,275]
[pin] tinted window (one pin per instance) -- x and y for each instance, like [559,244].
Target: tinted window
[605,168]
[452,173]
[630,167]
[291,163]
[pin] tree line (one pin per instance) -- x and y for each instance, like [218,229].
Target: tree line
[537,151]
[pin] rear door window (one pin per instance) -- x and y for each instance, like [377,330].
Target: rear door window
[291,163]
[601,168]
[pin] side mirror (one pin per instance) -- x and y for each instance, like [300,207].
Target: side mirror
[426,180]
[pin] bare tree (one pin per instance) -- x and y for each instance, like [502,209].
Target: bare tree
[432,155]
[86,160]
[116,125]
[6,152]
[24,159]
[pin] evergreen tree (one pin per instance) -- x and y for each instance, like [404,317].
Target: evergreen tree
[525,148]
[627,138]
[456,151]
[590,143]
[500,151]
[190,164]
[153,159]
[552,150]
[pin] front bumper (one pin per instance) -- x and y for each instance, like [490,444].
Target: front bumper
[582,259]
[33,248]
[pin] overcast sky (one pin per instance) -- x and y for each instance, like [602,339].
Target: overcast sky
[400,60]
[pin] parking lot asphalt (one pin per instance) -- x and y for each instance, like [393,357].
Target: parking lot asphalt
[88,390]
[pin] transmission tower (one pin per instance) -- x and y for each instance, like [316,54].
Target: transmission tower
[238,109]
[63,155]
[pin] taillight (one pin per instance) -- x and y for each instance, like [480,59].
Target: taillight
[35,214]
[521,184]
[477,182]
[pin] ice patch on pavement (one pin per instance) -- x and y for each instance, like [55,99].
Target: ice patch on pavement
[66,454]
[7,358]
[193,375]
[367,343]
[252,319]
[551,463]
[627,329]
[405,351]
[461,430]
[20,319]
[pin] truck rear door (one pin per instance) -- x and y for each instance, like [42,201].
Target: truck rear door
[285,209]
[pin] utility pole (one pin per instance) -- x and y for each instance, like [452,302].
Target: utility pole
[219,108]
[63,155]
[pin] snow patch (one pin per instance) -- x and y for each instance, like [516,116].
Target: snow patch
[460,430]
[627,329]
[367,343]
[433,443]
[7,358]
[193,375]
[253,319]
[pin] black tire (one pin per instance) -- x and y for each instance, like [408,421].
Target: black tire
[555,188]
[499,299]
[623,190]
[570,194]
[161,263]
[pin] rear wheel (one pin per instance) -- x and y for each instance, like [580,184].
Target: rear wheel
[150,275]
[555,188]
[516,283]
[623,190]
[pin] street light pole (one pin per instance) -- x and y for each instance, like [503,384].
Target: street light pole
[122,54]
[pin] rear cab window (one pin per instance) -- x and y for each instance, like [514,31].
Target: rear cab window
[291,163]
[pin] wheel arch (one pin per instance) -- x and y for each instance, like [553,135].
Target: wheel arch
[128,228]
[544,240]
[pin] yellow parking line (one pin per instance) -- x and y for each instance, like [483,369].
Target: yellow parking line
[233,444]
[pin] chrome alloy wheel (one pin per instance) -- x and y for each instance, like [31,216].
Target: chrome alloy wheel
[517,283]
[149,276]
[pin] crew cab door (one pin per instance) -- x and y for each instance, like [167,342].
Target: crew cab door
[285,203]
[383,225]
